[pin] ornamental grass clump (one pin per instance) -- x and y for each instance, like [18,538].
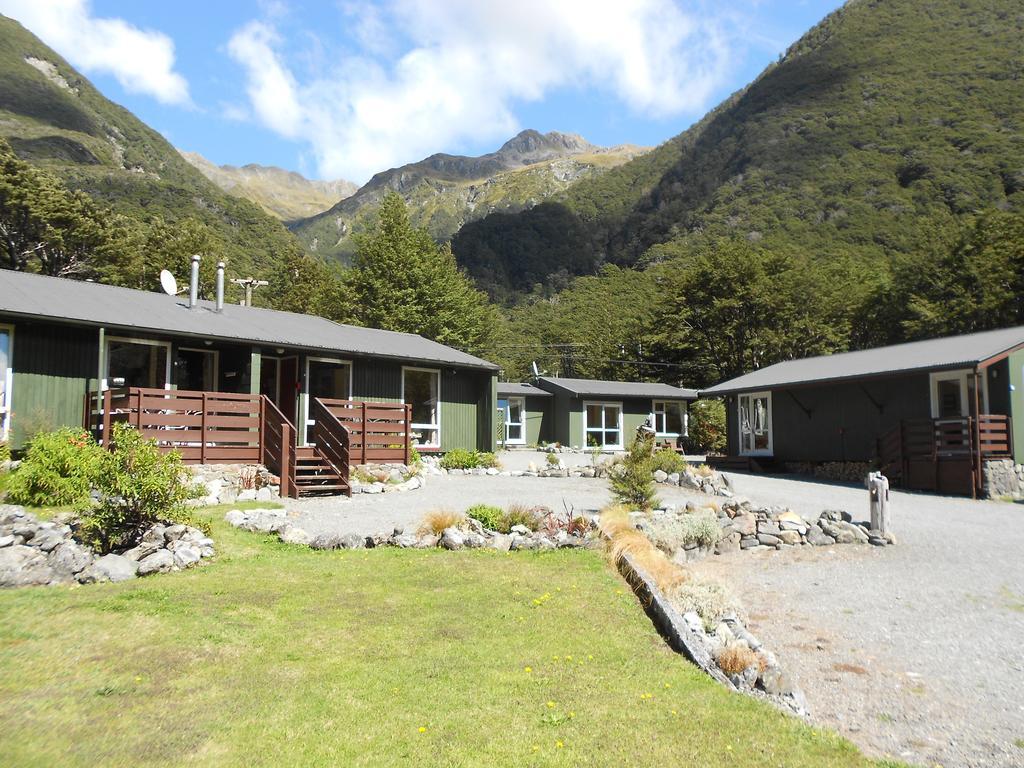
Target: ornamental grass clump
[137,485]
[624,539]
[631,482]
[461,458]
[671,533]
[59,469]
[437,521]
[519,514]
[736,658]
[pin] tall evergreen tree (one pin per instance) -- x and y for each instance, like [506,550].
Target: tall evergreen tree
[403,281]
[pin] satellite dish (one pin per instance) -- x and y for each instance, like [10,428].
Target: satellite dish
[168,283]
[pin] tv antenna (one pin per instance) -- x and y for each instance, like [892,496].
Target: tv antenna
[168,283]
[249,283]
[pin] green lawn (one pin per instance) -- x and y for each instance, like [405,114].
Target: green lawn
[282,656]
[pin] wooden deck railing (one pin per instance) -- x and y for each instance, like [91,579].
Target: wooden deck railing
[278,446]
[204,427]
[944,454]
[379,432]
[331,438]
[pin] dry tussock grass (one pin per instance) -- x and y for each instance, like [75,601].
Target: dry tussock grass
[436,521]
[737,657]
[625,539]
[705,470]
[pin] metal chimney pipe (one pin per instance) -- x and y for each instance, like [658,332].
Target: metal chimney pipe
[193,288]
[220,286]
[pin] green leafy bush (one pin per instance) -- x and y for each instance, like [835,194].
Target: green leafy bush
[552,460]
[138,485]
[58,469]
[707,425]
[5,451]
[631,482]
[671,533]
[461,458]
[415,458]
[668,461]
[709,600]
[488,516]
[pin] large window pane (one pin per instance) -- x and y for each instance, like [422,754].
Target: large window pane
[422,393]
[195,369]
[5,396]
[136,364]
[328,379]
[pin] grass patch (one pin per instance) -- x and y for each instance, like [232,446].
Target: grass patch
[278,655]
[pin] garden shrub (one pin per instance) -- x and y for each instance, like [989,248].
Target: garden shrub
[668,461]
[415,458]
[707,425]
[461,458]
[552,460]
[59,469]
[138,485]
[5,451]
[489,517]
[707,599]
[631,482]
[672,533]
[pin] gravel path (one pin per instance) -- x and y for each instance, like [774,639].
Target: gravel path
[914,651]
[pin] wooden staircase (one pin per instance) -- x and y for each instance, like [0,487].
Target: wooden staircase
[314,475]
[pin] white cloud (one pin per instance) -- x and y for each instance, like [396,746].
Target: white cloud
[467,64]
[142,61]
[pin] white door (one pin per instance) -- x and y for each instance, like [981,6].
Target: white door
[755,420]
[515,421]
[6,380]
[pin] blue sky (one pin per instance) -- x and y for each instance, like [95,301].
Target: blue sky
[347,88]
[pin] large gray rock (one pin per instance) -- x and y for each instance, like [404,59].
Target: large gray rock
[353,541]
[11,513]
[235,517]
[295,535]
[186,556]
[22,566]
[816,537]
[501,542]
[776,682]
[660,476]
[114,568]
[768,540]
[452,538]
[160,561]
[46,538]
[745,524]
[69,558]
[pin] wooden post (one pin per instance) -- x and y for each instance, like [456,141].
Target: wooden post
[202,432]
[363,429]
[878,489]
[286,459]
[105,415]
[407,414]
[261,439]
[977,435]
[138,409]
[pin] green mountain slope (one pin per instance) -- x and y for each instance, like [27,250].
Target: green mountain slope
[887,121]
[54,118]
[443,192]
[286,195]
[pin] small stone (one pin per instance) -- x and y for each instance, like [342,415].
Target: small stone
[160,561]
[745,524]
[295,535]
[263,494]
[474,541]
[427,541]
[817,538]
[660,476]
[6,541]
[249,494]
[352,541]
[22,566]
[235,517]
[776,682]
[768,527]
[522,530]
[45,539]
[768,540]
[174,532]
[69,558]
[501,542]
[790,537]
[748,542]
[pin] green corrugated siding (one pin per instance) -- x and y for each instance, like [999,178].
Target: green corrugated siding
[1017,404]
[466,421]
[378,381]
[539,427]
[54,367]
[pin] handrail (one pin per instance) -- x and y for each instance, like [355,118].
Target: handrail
[330,439]
[278,445]
[378,431]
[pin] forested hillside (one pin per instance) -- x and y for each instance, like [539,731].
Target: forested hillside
[887,121]
[865,189]
[146,194]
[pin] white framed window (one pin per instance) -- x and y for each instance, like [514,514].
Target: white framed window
[137,363]
[328,378]
[421,389]
[755,423]
[197,369]
[670,418]
[6,379]
[952,394]
[602,425]
[514,413]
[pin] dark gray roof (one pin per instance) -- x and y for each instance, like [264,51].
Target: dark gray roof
[75,301]
[933,354]
[594,388]
[512,388]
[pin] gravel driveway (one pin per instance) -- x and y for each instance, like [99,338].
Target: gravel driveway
[914,651]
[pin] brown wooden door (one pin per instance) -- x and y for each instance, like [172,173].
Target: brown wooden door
[289,387]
